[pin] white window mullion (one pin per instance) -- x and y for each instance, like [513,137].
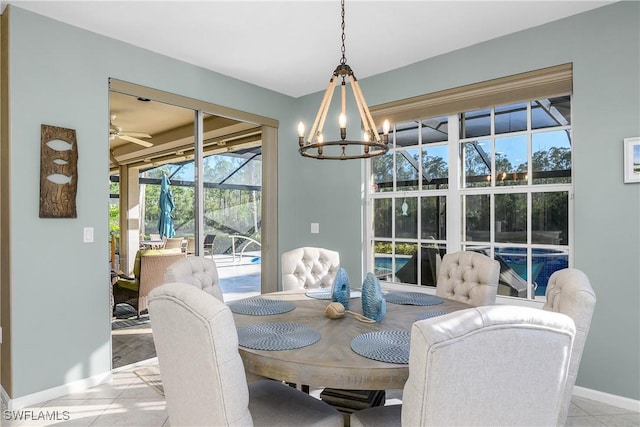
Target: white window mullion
[456,172]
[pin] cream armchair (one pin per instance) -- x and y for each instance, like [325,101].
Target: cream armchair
[197,271]
[493,366]
[309,267]
[569,291]
[468,277]
[203,375]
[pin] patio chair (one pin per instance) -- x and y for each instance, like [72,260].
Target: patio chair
[494,365]
[569,291]
[203,375]
[173,242]
[309,267]
[191,246]
[208,244]
[148,272]
[468,277]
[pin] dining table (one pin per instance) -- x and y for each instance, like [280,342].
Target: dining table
[331,361]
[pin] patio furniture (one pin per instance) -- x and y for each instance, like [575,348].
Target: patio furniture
[173,242]
[470,277]
[208,244]
[209,386]
[569,291]
[493,365]
[191,246]
[309,267]
[197,271]
[148,272]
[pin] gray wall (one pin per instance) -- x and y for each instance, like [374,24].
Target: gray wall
[58,76]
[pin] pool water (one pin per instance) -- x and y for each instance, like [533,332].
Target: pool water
[385,263]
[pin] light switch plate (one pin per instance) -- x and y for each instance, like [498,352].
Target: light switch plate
[87,235]
[315,228]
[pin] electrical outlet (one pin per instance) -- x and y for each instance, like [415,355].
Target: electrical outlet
[315,228]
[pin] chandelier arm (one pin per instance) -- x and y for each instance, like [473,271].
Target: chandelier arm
[363,116]
[368,120]
[343,98]
[323,107]
[326,106]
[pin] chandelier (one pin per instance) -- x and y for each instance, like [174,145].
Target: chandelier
[372,144]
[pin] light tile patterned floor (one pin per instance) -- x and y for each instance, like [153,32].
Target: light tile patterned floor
[128,401]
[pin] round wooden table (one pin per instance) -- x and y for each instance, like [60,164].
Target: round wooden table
[331,362]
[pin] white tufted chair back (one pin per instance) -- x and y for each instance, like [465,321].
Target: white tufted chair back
[197,271]
[469,277]
[569,291]
[482,366]
[308,267]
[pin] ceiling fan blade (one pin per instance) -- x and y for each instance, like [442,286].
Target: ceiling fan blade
[136,134]
[136,141]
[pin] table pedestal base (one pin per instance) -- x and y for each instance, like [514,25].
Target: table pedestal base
[349,401]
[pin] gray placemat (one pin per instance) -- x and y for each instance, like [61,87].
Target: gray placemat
[384,346]
[261,306]
[277,336]
[319,293]
[430,315]
[412,298]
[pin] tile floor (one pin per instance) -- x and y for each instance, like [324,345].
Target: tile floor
[128,401]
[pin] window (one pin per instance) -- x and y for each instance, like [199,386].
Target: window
[493,179]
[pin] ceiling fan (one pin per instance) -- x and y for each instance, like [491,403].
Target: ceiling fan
[117,132]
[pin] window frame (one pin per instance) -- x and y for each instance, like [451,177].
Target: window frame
[525,87]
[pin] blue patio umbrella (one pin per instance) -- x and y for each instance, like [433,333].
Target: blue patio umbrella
[166,205]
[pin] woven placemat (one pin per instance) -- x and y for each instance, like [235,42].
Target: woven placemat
[412,298]
[258,306]
[277,336]
[384,346]
[326,294]
[430,315]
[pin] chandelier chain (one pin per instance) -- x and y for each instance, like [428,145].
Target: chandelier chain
[343,61]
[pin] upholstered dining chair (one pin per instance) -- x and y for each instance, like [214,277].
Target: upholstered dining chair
[203,375]
[468,277]
[197,271]
[309,267]
[569,291]
[493,365]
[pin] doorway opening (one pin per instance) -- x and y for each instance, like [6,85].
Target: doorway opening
[185,145]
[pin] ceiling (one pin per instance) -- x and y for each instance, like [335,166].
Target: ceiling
[290,47]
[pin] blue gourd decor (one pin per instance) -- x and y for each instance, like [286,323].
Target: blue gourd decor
[374,305]
[340,291]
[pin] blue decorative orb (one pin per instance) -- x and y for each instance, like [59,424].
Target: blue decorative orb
[340,291]
[374,305]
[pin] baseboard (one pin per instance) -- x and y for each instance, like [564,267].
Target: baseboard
[609,399]
[55,392]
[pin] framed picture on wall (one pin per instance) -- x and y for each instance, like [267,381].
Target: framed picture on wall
[632,159]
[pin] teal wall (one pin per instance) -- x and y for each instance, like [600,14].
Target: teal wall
[58,75]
